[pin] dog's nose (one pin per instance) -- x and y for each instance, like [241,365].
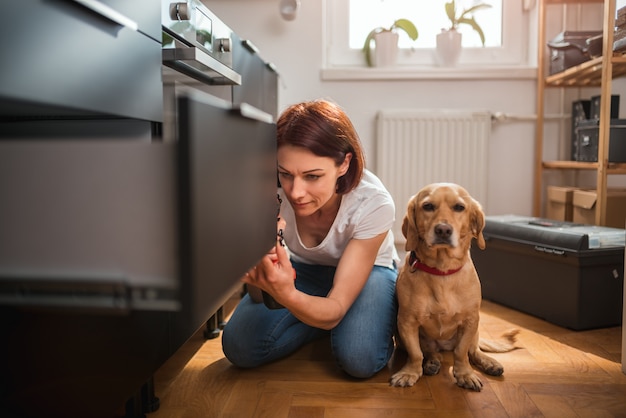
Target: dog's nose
[443,231]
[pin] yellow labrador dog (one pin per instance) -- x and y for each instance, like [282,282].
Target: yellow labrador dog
[438,289]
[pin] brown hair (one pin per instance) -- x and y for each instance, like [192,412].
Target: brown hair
[323,128]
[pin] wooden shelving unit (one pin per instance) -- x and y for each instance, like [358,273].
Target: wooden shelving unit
[586,74]
[596,72]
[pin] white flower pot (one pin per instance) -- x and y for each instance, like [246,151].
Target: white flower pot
[448,48]
[385,52]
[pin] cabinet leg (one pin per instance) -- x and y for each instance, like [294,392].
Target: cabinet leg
[144,401]
[220,318]
[213,329]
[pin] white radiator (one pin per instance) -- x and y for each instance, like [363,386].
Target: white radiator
[418,147]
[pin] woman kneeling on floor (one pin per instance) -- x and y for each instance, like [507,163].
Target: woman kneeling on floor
[336,224]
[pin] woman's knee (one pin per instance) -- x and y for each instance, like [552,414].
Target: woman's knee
[255,335]
[363,362]
[243,338]
[236,348]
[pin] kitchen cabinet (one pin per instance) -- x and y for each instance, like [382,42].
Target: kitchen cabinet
[597,72]
[260,88]
[118,242]
[61,59]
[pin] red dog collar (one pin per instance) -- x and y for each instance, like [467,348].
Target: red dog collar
[416,264]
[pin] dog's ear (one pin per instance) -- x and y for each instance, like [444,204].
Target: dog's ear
[477,223]
[409,227]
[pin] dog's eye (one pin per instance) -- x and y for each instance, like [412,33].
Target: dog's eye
[428,207]
[458,207]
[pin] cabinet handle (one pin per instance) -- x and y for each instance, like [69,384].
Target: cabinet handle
[108,13]
[251,112]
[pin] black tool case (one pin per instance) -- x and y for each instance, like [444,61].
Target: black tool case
[587,137]
[566,273]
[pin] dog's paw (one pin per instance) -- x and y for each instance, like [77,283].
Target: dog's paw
[431,367]
[494,369]
[404,379]
[469,381]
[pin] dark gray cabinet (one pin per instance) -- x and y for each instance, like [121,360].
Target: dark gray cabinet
[259,86]
[113,254]
[61,59]
[116,243]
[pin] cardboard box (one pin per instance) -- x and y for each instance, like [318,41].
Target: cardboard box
[559,203]
[584,203]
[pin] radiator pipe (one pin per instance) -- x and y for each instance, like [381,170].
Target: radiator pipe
[499,117]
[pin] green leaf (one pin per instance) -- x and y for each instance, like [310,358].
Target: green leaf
[407,26]
[367,48]
[474,26]
[451,12]
[456,21]
[475,8]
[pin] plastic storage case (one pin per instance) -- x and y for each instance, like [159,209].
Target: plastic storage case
[566,273]
[587,137]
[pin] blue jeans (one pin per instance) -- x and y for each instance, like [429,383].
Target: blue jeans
[362,343]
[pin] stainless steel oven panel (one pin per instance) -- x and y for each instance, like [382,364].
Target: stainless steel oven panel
[197,45]
[196,63]
[192,23]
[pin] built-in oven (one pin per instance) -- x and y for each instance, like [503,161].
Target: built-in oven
[196,42]
[202,53]
[197,56]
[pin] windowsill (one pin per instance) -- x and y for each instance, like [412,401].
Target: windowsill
[428,73]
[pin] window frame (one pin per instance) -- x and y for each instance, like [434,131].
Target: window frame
[514,51]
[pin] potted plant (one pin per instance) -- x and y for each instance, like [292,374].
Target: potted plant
[449,40]
[466,17]
[386,42]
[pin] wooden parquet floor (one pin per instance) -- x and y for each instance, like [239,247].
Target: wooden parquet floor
[556,373]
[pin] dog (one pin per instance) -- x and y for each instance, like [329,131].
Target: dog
[438,289]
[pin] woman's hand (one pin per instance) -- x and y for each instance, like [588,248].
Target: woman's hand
[274,274]
[250,278]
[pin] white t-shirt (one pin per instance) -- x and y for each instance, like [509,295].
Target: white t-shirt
[365,212]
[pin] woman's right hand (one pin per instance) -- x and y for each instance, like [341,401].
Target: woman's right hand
[254,291]
[274,274]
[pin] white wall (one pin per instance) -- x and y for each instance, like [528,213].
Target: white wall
[296,48]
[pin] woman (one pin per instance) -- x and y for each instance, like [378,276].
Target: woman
[338,217]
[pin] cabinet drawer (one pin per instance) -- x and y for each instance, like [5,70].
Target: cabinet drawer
[260,79]
[75,61]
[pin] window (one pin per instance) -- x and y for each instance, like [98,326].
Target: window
[505,24]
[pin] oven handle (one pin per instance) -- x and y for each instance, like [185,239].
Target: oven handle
[187,61]
[108,13]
